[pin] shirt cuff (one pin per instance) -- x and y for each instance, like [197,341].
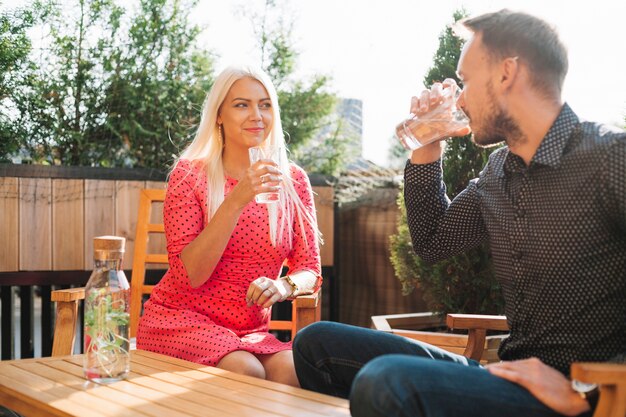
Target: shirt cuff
[423,174]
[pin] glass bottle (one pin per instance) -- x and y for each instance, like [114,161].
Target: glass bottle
[107,314]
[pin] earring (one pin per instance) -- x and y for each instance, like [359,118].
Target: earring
[220,136]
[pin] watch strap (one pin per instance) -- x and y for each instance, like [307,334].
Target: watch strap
[294,286]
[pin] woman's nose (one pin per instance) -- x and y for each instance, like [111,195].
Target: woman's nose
[255,113]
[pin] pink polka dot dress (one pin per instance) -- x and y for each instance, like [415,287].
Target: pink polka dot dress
[204,324]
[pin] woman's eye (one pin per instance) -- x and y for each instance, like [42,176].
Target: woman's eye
[265,105]
[241,105]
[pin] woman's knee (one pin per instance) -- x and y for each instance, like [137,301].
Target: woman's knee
[279,367]
[242,362]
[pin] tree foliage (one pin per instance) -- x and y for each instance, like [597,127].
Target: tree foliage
[115,85]
[16,74]
[306,105]
[112,87]
[464,283]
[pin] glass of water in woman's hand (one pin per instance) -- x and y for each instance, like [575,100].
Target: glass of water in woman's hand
[273,154]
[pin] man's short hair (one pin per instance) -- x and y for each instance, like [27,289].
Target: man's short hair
[535,42]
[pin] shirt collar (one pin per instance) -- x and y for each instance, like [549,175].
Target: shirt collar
[551,148]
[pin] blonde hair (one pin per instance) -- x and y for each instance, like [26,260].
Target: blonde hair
[207,147]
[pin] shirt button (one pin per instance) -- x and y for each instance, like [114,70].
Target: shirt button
[517,254]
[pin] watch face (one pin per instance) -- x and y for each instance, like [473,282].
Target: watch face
[583,387]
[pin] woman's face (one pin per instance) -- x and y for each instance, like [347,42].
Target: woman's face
[246,115]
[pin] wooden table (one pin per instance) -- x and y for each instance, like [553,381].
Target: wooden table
[156,386]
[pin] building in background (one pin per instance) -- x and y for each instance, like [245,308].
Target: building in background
[350,112]
[339,143]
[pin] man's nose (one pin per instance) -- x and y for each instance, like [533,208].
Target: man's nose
[460,102]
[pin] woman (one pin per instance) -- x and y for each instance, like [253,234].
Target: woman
[226,252]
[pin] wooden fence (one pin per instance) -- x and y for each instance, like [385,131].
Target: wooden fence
[48,218]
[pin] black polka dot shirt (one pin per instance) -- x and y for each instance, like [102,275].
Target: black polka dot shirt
[557,232]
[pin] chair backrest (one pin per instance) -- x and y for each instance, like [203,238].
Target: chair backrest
[141,257]
[147,227]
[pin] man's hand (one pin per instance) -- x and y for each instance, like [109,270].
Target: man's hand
[421,104]
[545,383]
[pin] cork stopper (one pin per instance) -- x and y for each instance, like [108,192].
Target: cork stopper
[108,247]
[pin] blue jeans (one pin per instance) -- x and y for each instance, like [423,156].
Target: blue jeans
[386,375]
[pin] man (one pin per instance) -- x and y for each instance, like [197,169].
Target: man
[552,204]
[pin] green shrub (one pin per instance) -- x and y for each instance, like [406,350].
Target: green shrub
[464,283]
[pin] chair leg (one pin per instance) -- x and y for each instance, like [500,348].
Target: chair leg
[611,404]
[65,328]
[475,344]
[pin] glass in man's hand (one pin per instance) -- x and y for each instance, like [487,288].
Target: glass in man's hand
[435,124]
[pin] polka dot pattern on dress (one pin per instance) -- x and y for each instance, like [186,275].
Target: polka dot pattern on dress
[203,324]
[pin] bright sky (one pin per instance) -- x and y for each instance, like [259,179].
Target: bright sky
[379,51]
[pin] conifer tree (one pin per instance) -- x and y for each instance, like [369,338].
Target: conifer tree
[464,283]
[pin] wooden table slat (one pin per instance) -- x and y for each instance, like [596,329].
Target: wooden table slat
[268,393]
[321,398]
[157,385]
[142,399]
[66,401]
[149,393]
[18,398]
[179,386]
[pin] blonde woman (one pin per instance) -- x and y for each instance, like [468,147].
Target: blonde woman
[226,251]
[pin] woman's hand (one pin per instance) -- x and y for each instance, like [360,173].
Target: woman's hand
[545,383]
[266,292]
[262,177]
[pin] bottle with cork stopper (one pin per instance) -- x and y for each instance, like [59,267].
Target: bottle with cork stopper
[107,314]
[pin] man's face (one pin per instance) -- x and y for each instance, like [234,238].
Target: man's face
[490,122]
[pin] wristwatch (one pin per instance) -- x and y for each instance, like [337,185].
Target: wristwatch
[588,392]
[294,286]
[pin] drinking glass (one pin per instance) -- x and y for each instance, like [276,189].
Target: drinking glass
[272,154]
[438,122]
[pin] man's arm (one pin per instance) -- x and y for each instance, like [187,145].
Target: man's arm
[439,228]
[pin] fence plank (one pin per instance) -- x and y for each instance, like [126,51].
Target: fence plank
[126,208]
[99,214]
[35,208]
[9,224]
[325,214]
[67,225]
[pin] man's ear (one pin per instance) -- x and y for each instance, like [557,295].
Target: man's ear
[509,72]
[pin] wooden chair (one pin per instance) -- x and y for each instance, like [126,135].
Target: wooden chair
[305,309]
[610,377]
